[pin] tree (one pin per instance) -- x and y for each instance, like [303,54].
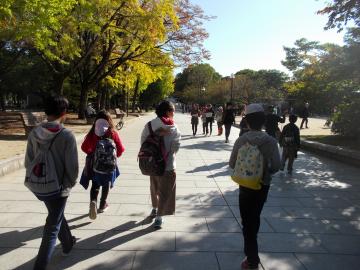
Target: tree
[340,12]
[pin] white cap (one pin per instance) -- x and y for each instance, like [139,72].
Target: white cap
[101,126]
[253,108]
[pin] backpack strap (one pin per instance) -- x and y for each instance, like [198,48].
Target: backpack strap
[150,129]
[53,139]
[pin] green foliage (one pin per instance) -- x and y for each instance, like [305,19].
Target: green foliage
[346,115]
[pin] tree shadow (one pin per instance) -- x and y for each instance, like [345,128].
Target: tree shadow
[210,146]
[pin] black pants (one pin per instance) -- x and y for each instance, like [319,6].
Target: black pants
[304,121]
[251,203]
[209,122]
[227,130]
[194,128]
[94,192]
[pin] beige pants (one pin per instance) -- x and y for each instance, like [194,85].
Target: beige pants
[163,193]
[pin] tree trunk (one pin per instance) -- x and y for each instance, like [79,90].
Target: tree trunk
[83,101]
[2,102]
[135,95]
[107,100]
[58,83]
[102,98]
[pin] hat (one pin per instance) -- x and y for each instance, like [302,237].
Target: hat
[253,108]
[101,126]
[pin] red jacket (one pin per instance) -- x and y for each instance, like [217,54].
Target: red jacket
[89,144]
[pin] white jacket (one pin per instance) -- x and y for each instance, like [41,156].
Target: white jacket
[171,141]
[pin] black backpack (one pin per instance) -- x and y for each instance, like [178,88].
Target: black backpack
[105,156]
[151,155]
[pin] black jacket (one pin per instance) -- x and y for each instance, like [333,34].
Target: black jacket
[229,117]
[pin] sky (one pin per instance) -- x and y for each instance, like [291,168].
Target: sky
[251,33]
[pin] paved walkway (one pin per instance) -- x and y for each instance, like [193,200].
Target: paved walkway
[311,220]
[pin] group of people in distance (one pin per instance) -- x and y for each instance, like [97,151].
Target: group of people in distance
[52,149]
[208,116]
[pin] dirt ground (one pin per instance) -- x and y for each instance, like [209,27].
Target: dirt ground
[13,139]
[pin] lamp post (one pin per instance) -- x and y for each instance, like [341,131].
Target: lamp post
[232,76]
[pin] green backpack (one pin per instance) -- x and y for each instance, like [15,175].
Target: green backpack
[249,167]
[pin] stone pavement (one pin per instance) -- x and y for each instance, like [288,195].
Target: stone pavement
[310,221]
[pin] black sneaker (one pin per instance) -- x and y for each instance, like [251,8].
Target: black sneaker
[66,251]
[103,207]
[153,213]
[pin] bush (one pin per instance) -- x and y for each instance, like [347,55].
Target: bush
[345,119]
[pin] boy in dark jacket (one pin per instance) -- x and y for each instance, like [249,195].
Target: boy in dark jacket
[252,201]
[290,141]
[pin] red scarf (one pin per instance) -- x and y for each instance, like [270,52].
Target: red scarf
[167,121]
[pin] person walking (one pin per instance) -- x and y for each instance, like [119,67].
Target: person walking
[305,115]
[195,113]
[103,145]
[272,123]
[203,119]
[58,146]
[251,200]
[228,120]
[290,141]
[163,188]
[219,119]
[210,114]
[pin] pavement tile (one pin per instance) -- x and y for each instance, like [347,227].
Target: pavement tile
[93,259]
[175,261]
[341,244]
[280,261]
[283,242]
[209,241]
[19,258]
[329,261]
[223,225]
[145,240]
[292,225]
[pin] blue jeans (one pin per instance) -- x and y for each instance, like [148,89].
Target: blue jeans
[56,226]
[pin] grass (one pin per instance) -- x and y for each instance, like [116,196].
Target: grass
[335,140]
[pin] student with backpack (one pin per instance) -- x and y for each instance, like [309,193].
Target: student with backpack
[51,163]
[160,141]
[290,141]
[103,146]
[254,158]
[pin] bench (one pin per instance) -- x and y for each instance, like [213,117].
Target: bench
[119,113]
[31,120]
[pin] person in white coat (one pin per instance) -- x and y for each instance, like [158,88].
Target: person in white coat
[163,188]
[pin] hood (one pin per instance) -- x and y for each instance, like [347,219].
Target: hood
[257,137]
[45,132]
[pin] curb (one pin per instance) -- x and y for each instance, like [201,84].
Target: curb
[338,153]
[15,163]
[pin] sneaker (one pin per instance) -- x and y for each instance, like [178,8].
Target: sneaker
[153,213]
[246,266]
[289,172]
[66,251]
[103,207]
[158,222]
[92,210]
[226,141]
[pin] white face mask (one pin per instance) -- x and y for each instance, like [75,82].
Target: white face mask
[101,127]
